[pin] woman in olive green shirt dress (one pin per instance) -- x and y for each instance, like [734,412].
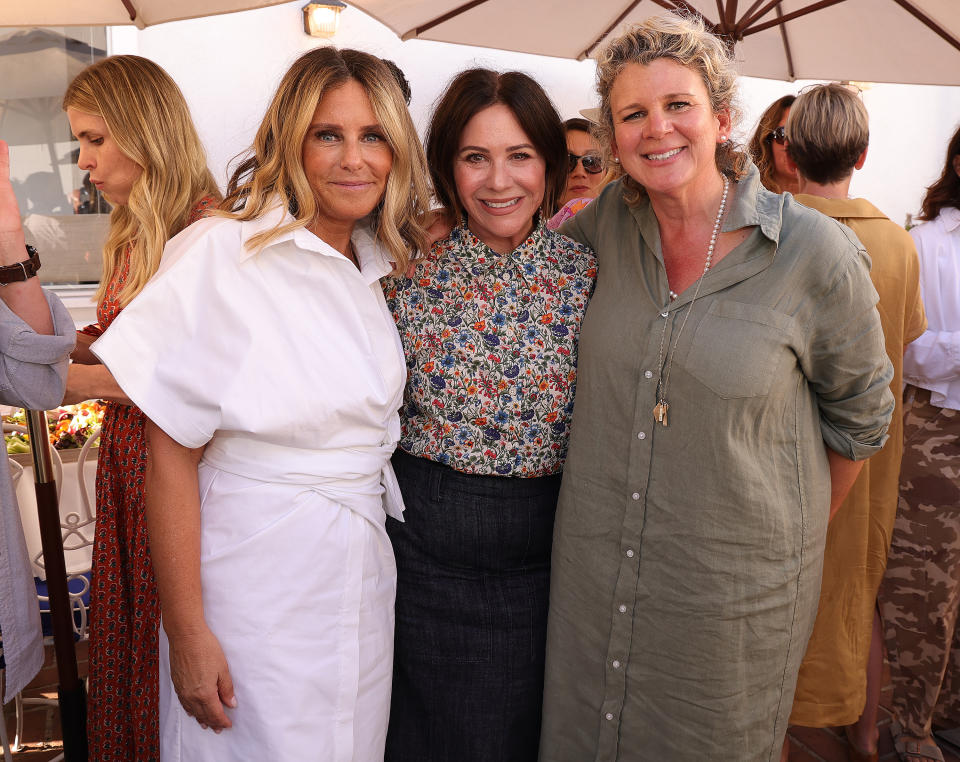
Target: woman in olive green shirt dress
[731,373]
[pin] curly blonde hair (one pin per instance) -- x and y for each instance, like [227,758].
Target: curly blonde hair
[686,40]
[274,167]
[150,122]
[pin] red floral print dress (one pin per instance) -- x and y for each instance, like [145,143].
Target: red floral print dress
[123,705]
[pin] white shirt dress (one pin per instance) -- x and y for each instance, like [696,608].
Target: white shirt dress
[287,365]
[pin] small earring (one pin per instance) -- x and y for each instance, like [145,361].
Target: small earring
[616,160]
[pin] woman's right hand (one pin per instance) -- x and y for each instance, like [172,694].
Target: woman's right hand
[81,353]
[12,247]
[201,678]
[438,224]
[24,298]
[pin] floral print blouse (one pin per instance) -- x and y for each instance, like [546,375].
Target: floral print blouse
[491,347]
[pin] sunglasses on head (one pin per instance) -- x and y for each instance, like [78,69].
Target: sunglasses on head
[779,135]
[592,163]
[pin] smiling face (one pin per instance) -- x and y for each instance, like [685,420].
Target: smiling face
[111,170]
[500,178]
[580,183]
[665,130]
[346,159]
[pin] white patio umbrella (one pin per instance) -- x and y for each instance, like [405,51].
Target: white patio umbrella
[906,41]
[142,13]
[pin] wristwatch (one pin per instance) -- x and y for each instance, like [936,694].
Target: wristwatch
[21,271]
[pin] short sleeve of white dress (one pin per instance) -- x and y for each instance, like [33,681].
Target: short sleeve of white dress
[174,348]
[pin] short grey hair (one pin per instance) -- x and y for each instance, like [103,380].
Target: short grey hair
[827,131]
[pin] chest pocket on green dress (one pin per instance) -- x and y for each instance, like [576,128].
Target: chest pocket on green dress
[738,348]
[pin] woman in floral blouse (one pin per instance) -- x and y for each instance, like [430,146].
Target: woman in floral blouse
[489,322]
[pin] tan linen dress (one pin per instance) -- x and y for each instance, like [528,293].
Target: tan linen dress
[687,559]
[832,685]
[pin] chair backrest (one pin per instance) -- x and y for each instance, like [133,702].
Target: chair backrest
[88,498]
[16,470]
[78,534]
[77,528]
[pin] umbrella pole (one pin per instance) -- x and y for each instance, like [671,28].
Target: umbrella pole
[70,692]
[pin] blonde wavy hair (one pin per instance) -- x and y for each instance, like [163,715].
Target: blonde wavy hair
[274,166]
[150,122]
[686,40]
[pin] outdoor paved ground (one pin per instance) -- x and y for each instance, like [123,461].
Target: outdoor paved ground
[42,728]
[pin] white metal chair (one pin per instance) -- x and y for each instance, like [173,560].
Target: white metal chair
[77,528]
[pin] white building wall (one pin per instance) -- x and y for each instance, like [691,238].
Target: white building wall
[228,67]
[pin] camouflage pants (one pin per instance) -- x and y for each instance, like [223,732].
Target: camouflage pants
[920,592]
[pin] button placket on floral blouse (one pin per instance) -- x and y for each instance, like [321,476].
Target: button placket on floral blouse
[491,344]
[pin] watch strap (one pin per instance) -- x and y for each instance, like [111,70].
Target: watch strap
[21,271]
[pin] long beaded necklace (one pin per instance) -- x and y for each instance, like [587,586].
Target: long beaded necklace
[662,406]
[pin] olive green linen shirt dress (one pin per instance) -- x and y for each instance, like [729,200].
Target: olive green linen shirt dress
[687,558]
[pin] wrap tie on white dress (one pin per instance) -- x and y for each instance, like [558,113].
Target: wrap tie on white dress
[360,478]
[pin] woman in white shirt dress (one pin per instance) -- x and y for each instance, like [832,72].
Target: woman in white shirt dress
[263,351]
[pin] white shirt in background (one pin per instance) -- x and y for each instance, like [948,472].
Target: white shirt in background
[933,361]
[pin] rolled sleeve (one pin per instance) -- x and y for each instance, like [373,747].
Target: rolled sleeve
[155,349]
[173,350]
[33,366]
[847,364]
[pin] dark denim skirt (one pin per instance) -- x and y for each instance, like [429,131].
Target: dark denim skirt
[473,586]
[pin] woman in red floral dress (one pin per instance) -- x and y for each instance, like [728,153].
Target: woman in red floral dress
[139,145]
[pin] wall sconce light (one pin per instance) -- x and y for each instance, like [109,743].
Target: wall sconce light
[322,19]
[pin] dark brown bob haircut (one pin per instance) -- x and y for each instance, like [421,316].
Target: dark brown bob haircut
[576,124]
[761,144]
[471,92]
[946,190]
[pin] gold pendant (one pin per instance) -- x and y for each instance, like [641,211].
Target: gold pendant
[660,412]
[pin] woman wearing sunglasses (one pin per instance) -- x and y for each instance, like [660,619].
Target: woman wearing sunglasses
[768,148]
[585,176]
[586,165]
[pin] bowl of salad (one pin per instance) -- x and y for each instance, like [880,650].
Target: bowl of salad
[69,426]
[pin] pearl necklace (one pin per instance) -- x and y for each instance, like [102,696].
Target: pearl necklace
[661,408]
